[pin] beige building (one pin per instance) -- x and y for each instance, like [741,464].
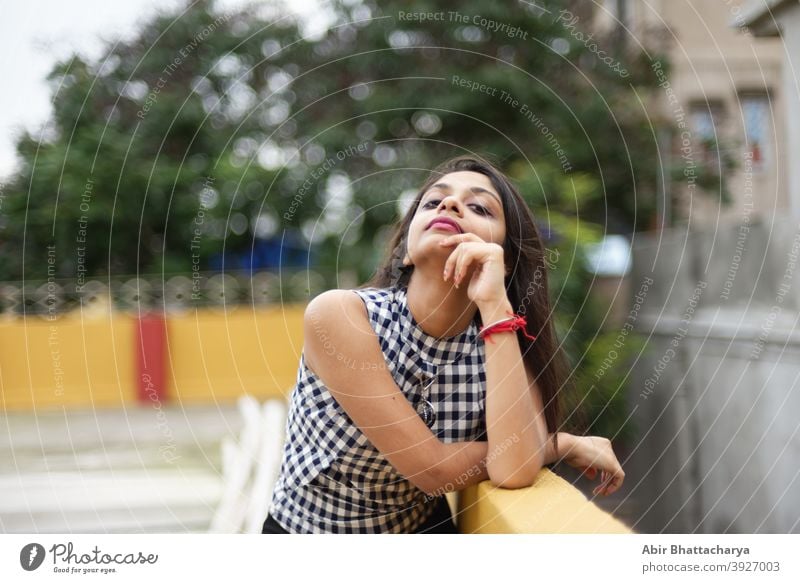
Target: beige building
[728,87]
[712,391]
[781,19]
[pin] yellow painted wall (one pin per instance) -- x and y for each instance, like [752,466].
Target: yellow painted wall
[88,359]
[67,361]
[218,355]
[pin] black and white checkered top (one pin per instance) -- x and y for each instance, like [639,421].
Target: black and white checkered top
[332,479]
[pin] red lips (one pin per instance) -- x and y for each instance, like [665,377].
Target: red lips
[446,221]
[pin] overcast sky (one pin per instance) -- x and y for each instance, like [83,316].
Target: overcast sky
[34,34]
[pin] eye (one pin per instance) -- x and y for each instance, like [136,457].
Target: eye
[481,210]
[429,203]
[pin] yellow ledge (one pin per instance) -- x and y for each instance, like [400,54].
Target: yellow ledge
[550,505]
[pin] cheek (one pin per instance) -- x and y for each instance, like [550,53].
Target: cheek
[497,234]
[415,230]
[411,233]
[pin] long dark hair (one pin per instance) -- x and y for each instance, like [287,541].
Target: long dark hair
[526,282]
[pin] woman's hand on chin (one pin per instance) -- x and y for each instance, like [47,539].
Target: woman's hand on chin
[486,282]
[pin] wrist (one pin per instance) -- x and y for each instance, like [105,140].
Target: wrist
[566,442]
[494,310]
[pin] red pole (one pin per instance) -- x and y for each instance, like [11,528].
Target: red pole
[151,374]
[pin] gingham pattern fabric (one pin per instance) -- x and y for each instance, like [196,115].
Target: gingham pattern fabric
[332,480]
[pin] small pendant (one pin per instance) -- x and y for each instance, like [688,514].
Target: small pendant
[426,412]
[425,408]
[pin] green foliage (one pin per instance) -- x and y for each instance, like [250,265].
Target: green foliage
[247,122]
[602,381]
[208,132]
[599,355]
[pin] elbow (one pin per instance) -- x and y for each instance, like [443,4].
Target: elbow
[512,482]
[514,479]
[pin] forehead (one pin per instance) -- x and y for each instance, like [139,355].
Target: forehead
[465,179]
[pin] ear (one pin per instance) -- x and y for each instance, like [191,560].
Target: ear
[407,260]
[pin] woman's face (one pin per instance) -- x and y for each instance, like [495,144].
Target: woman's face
[469,201]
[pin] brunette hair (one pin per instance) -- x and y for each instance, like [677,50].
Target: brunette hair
[524,255]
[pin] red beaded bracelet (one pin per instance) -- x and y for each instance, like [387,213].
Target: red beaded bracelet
[515,322]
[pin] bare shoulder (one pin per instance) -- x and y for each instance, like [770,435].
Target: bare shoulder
[337,306]
[336,323]
[337,297]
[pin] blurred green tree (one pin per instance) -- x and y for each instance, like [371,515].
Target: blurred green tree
[211,132]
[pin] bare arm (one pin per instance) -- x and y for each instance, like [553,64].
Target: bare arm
[343,351]
[471,459]
[466,467]
[515,421]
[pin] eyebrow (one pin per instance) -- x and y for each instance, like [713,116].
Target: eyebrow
[473,189]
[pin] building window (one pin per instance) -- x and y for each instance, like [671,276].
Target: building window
[706,119]
[756,120]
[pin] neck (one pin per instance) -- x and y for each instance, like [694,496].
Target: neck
[440,309]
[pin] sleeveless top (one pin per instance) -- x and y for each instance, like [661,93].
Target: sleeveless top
[332,479]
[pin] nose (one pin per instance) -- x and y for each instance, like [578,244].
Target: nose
[450,202]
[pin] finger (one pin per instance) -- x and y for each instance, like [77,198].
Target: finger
[449,265]
[607,485]
[616,475]
[596,489]
[460,238]
[614,482]
[617,481]
[601,487]
[611,488]
[607,489]
[465,259]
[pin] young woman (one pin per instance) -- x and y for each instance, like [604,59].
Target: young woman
[427,380]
